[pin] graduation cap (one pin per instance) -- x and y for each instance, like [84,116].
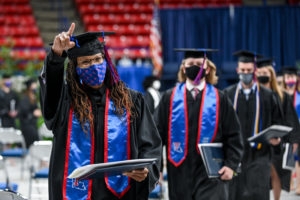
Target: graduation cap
[196,53]
[289,70]
[263,62]
[87,44]
[246,56]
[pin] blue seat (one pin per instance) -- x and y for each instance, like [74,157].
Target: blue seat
[13,186]
[43,173]
[156,193]
[16,152]
[39,153]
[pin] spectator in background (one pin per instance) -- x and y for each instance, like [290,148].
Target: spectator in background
[29,113]
[279,79]
[151,85]
[290,85]
[9,102]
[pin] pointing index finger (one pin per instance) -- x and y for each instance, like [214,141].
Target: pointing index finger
[71,29]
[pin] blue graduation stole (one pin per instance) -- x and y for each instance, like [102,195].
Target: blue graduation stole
[257,120]
[178,121]
[297,103]
[116,148]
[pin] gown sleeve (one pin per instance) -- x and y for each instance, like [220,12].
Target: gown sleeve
[149,142]
[52,87]
[291,119]
[232,140]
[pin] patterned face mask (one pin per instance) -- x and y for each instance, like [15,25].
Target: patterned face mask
[93,75]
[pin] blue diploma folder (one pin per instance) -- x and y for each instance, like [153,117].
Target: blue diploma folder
[110,169]
[213,158]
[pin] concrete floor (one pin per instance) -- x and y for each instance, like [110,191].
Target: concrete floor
[14,171]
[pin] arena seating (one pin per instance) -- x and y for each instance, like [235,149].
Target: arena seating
[131,20]
[18,29]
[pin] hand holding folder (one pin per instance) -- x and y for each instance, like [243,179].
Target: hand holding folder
[274,131]
[112,169]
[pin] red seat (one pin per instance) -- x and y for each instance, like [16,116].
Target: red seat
[14,1]
[131,53]
[24,20]
[117,19]
[111,8]
[15,9]
[19,31]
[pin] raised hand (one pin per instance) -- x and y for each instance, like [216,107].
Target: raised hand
[62,41]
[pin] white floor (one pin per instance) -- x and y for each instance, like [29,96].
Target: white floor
[14,171]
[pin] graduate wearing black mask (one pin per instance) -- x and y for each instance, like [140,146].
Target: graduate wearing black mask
[267,77]
[196,112]
[257,108]
[95,119]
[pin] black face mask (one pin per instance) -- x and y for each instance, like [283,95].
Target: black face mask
[263,79]
[192,72]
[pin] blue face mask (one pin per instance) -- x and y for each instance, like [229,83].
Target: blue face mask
[93,75]
[8,84]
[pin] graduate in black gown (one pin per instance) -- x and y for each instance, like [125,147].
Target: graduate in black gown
[9,102]
[291,85]
[151,85]
[196,112]
[267,77]
[257,108]
[94,119]
[29,113]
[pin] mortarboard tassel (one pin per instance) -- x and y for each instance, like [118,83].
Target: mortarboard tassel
[113,70]
[197,79]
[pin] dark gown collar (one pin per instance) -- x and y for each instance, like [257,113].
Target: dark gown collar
[96,94]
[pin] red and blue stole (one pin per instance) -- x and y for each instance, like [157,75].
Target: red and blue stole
[178,121]
[80,152]
[297,103]
[257,120]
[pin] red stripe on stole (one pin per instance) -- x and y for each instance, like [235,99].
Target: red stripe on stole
[105,132]
[92,159]
[170,123]
[67,154]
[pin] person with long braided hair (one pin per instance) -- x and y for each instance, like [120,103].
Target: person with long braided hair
[95,118]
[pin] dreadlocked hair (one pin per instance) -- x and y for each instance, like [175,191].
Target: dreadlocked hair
[119,94]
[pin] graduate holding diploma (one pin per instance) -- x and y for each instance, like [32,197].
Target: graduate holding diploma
[192,113]
[94,119]
[257,108]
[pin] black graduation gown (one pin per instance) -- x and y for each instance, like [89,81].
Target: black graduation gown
[149,101]
[189,181]
[292,97]
[5,99]
[55,104]
[28,121]
[253,182]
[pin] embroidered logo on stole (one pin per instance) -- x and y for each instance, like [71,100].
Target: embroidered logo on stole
[116,148]
[178,121]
